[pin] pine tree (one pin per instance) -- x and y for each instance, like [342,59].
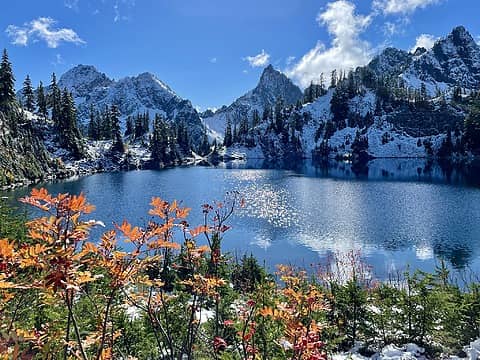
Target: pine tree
[162,144]
[267,113]
[7,82]
[93,125]
[54,100]
[130,127]
[28,94]
[255,118]
[42,101]
[472,129]
[116,134]
[279,117]
[183,139]
[105,124]
[333,79]
[68,133]
[228,138]
[204,147]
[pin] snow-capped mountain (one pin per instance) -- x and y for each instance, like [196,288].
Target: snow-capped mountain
[132,95]
[401,104]
[453,61]
[272,85]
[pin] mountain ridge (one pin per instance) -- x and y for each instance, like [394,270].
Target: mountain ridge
[131,94]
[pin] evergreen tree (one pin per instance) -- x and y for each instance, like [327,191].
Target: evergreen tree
[146,122]
[93,124]
[130,127]
[105,124]
[204,147]
[472,129]
[228,138]
[68,133]
[116,134]
[235,134]
[28,94]
[279,116]
[446,149]
[183,139]
[7,82]
[333,79]
[255,118]
[162,145]
[42,101]
[54,100]
[308,94]
[267,114]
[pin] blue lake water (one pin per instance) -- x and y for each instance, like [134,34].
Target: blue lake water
[398,213]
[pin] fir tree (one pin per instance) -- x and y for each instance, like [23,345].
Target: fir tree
[333,79]
[204,147]
[279,116]
[183,139]
[7,82]
[228,138]
[66,125]
[116,134]
[28,94]
[54,100]
[93,125]
[105,124]
[130,127]
[162,145]
[267,114]
[472,129]
[255,118]
[42,101]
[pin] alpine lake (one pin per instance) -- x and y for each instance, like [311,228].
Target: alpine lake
[397,213]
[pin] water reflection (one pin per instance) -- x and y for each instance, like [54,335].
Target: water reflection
[397,212]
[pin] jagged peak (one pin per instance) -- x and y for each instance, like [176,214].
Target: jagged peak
[419,51]
[82,76]
[460,30]
[458,37]
[82,70]
[271,77]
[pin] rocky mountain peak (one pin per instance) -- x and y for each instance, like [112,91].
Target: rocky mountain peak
[390,61]
[460,36]
[82,79]
[274,84]
[148,79]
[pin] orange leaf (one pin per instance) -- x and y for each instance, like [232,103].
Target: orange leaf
[199,230]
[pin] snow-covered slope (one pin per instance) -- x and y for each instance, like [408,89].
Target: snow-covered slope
[273,85]
[453,61]
[132,95]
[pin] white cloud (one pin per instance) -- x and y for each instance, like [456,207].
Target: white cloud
[122,6]
[213,60]
[424,40]
[290,60]
[19,35]
[58,60]
[42,29]
[71,4]
[389,7]
[259,60]
[347,50]
[390,28]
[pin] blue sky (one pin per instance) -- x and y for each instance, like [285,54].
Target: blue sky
[212,51]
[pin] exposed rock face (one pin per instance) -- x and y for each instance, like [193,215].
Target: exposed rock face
[272,85]
[23,157]
[453,61]
[132,95]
